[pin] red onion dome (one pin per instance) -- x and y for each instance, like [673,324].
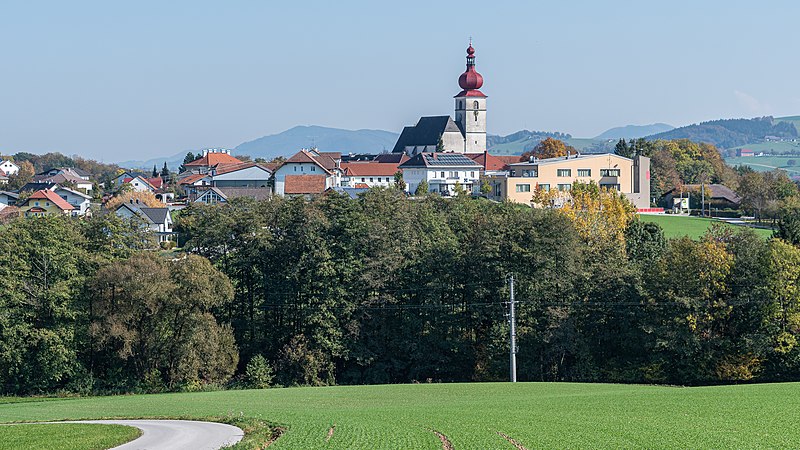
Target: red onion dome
[470,79]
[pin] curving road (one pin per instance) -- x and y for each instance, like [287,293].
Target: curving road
[176,434]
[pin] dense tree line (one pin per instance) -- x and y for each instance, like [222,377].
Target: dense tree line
[729,133]
[383,289]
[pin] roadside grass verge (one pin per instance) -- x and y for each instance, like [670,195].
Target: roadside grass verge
[65,436]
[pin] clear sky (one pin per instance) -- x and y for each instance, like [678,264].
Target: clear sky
[131,80]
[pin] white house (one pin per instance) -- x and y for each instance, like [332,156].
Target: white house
[308,172]
[78,200]
[8,199]
[9,167]
[368,174]
[216,195]
[441,171]
[242,175]
[157,220]
[139,184]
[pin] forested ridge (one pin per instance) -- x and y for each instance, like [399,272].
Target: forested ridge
[386,290]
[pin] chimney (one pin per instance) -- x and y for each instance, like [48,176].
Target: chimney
[531,158]
[569,153]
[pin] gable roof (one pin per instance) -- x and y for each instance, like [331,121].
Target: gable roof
[155,215]
[36,186]
[392,158]
[230,193]
[211,159]
[304,184]
[61,177]
[489,162]
[370,168]
[440,160]
[74,192]
[10,194]
[221,169]
[192,179]
[715,191]
[326,160]
[46,194]
[426,132]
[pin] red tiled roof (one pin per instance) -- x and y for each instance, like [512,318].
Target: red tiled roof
[304,184]
[325,160]
[491,162]
[47,194]
[369,168]
[212,159]
[191,179]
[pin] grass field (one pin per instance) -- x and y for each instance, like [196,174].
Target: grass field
[767,163]
[694,227]
[67,436]
[470,416]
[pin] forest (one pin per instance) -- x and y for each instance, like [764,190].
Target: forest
[383,289]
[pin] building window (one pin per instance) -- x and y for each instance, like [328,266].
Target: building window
[544,187]
[295,168]
[363,180]
[472,174]
[453,174]
[610,186]
[442,174]
[523,188]
[35,203]
[313,169]
[530,173]
[564,187]
[609,172]
[564,172]
[370,179]
[584,172]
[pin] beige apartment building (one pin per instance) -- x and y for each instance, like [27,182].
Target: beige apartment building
[629,176]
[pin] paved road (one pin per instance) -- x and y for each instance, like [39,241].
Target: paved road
[177,434]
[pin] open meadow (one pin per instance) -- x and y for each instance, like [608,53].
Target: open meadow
[471,416]
[678,226]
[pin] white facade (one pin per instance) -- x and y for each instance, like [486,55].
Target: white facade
[442,180]
[369,180]
[471,117]
[139,184]
[9,167]
[78,200]
[303,168]
[250,177]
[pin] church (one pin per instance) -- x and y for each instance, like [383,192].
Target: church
[465,134]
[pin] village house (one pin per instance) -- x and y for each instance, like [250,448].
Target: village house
[80,201]
[242,175]
[308,172]
[8,167]
[628,176]
[157,220]
[442,172]
[211,158]
[44,203]
[3,177]
[65,177]
[215,195]
[368,174]
[8,198]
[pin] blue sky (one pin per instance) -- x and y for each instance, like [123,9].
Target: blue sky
[116,81]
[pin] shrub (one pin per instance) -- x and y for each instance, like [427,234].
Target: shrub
[258,374]
[167,245]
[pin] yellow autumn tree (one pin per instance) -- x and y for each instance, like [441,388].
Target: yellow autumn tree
[599,215]
[145,198]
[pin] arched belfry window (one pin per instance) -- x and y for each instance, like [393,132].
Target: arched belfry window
[475,104]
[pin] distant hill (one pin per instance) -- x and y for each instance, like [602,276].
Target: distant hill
[172,161]
[730,133]
[326,139]
[634,131]
[523,141]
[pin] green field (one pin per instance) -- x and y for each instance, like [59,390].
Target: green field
[694,227]
[767,163]
[470,416]
[66,436]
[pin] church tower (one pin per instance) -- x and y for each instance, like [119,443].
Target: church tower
[471,107]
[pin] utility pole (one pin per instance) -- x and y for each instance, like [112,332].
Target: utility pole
[703,201]
[513,331]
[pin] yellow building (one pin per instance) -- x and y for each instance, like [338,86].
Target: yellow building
[44,203]
[629,176]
